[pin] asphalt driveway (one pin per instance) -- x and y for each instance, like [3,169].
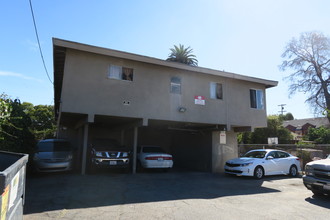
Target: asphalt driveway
[173,195]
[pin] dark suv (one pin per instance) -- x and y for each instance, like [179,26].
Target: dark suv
[108,153]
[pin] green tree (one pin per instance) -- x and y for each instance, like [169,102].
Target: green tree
[286,117]
[42,120]
[309,58]
[22,124]
[16,135]
[5,113]
[182,55]
[319,135]
[244,137]
[274,129]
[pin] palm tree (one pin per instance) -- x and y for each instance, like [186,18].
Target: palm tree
[182,55]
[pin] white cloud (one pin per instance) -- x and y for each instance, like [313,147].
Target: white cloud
[18,75]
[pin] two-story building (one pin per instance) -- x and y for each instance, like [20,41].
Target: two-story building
[192,112]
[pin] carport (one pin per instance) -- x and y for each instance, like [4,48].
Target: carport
[191,144]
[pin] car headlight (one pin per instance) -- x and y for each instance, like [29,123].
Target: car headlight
[98,154]
[309,170]
[125,154]
[246,164]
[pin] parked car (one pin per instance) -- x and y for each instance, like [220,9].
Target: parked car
[108,153]
[259,163]
[317,176]
[53,155]
[154,157]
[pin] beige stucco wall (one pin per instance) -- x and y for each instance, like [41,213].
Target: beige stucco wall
[87,89]
[223,152]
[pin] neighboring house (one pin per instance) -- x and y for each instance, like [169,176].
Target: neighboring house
[299,127]
[192,112]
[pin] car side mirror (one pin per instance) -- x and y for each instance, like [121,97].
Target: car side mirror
[270,157]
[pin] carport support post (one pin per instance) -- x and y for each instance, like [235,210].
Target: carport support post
[135,148]
[222,152]
[84,153]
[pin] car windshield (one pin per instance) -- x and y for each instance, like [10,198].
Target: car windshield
[153,149]
[105,143]
[54,146]
[255,154]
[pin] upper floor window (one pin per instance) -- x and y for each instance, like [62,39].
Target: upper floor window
[176,85]
[216,90]
[119,72]
[257,98]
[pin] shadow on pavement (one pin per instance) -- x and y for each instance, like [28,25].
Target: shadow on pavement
[323,201]
[72,191]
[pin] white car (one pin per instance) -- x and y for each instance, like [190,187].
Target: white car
[154,157]
[259,163]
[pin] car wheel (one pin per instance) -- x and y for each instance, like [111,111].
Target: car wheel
[293,171]
[258,172]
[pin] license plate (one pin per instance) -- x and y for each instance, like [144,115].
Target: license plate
[113,162]
[160,159]
[326,187]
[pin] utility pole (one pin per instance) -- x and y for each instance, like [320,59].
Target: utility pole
[282,108]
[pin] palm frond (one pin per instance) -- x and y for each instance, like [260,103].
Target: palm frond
[182,55]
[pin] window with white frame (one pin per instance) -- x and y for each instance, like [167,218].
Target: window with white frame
[216,90]
[175,85]
[119,72]
[257,98]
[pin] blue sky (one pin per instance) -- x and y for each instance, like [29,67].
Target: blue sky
[239,36]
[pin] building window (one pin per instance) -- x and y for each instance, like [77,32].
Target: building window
[257,98]
[119,72]
[176,85]
[216,90]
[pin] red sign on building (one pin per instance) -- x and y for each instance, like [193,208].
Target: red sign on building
[199,100]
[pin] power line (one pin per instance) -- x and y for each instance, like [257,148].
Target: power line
[36,31]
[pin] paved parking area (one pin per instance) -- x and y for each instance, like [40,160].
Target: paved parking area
[173,195]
